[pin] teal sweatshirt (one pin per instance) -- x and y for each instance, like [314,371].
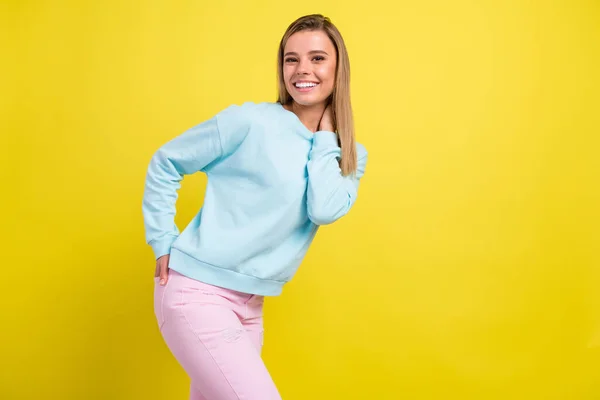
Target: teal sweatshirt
[271,183]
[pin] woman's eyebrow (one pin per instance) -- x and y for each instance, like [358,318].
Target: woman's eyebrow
[292,53]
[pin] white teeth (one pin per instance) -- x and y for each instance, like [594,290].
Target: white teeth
[305,84]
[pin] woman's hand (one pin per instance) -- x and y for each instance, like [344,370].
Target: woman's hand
[162,269]
[326,123]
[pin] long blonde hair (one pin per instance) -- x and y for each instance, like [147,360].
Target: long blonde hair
[341,105]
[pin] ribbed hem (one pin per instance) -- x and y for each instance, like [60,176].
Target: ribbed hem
[225,278]
[162,246]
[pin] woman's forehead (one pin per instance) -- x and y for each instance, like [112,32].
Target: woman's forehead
[307,41]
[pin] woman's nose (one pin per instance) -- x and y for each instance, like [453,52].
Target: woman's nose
[303,68]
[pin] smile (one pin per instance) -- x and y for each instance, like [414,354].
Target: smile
[305,86]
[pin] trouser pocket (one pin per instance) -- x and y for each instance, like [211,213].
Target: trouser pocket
[159,295]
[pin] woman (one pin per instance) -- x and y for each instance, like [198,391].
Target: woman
[276,172]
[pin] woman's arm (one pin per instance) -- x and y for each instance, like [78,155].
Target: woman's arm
[330,195]
[188,153]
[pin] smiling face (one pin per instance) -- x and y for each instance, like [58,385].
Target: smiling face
[309,65]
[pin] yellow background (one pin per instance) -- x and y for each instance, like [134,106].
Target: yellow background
[469,268]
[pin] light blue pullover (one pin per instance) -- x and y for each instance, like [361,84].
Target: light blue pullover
[271,183]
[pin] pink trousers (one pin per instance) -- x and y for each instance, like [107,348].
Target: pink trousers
[217,336]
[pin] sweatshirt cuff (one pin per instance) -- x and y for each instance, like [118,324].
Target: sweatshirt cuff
[325,139]
[162,246]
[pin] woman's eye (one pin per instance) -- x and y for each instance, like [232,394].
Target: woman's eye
[289,60]
[319,58]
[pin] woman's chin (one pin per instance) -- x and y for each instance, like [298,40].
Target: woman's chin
[309,102]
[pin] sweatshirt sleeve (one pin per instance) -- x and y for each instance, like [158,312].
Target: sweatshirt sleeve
[330,195]
[193,151]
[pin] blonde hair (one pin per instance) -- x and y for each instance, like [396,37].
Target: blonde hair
[341,105]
